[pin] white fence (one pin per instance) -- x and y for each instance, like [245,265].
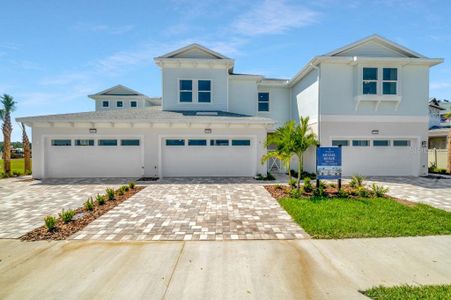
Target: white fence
[437,157]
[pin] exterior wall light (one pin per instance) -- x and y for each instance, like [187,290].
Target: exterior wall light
[92,130]
[207,130]
[374,131]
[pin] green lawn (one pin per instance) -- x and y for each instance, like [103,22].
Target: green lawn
[407,292]
[359,218]
[17,165]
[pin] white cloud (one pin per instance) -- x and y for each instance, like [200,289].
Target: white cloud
[274,17]
[103,28]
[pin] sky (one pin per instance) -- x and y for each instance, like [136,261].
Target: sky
[55,53]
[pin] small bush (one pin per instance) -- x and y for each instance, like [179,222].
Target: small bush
[278,187]
[50,222]
[378,190]
[131,185]
[319,192]
[67,215]
[292,182]
[89,204]
[295,193]
[269,176]
[100,199]
[333,185]
[16,173]
[120,191]
[356,181]
[342,194]
[307,185]
[110,194]
[363,192]
[125,188]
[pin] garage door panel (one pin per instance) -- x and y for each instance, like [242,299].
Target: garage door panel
[372,161]
[93,161]
[208,160]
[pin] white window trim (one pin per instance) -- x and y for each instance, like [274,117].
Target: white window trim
[269,102]
[195,91]
[130,103]
[117,101]
[107,101]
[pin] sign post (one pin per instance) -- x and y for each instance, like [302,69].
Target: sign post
[328,163]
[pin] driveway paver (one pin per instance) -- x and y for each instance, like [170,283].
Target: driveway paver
[435,192]
[25,202]
[196,209]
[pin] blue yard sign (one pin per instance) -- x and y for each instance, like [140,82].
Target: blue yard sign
[328,162]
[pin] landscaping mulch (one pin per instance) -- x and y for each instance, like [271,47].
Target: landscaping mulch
[81,219]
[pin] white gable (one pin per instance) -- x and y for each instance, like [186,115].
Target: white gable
[375,46]
[195,53]
[371,49]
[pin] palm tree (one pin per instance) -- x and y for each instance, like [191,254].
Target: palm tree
[303,138]
[282,139]
[448,165]
[9,105]
[26,150]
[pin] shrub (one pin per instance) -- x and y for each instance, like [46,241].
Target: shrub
[363,192]
[295,193]
[125,188]
[16,173]
[67,215]
[110,194]
[50,222]
[333,185]
[292,182]
[100,199]
[356,181]
[319,192]
[89,204]
[120,191]
[307,185]
[131,185]
[269,176]
[342,194]
[378,190]
[278,187]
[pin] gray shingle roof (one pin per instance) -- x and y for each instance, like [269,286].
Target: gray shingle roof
[148,114]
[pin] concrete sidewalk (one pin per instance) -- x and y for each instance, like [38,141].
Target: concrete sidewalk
[296,269]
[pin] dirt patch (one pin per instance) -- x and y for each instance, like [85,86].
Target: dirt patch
[81,219]
[404,202]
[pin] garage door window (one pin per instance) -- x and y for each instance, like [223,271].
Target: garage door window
[360,143]
[84,142]
[219,142]
[175,142]
[401,143]
[197,142]
[381,143]
[129,142]
[241,142]
[107,143]
[337,143]
[61,142]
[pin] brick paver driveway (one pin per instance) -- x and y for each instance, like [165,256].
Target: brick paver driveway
[435,192]
[196,209]
[24,202]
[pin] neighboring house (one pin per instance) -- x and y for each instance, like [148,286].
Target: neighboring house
[435,115]
[369,97]
[120,96]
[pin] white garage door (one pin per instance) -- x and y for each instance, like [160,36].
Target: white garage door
[103,157]
[380,158]
[208,157]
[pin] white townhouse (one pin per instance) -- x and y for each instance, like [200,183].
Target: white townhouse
[370,97]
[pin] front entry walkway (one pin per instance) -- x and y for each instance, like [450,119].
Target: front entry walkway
[196,209]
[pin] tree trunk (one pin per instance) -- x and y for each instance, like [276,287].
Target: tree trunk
[7,144]
[449,152]
[26,151]
[300,168]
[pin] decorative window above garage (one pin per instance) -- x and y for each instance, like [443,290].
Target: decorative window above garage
[195,90]
[378,84]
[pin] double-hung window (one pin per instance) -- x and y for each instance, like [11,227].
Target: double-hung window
[369,84]
[263,101]
[186,90]
[119,104]
[389,81]
[105,103]
[204,91]
[133,104]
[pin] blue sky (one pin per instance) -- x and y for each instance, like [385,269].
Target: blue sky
[54,53]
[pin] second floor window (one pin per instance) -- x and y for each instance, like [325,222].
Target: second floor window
[105,104]
[186,90]
[380,81]
[369,81]
[263,101]
[204,91]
